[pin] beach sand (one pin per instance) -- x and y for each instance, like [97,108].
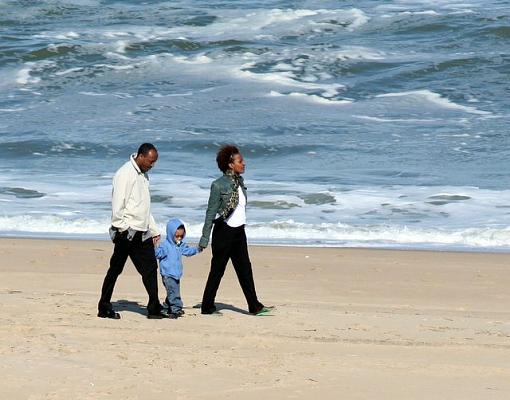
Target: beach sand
[349,324]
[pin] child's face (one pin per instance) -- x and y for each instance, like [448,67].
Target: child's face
[179,234]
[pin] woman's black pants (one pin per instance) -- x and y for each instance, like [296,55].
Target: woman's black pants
[229,243]
[144,259]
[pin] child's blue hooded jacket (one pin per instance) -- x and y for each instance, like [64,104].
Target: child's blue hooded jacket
[170,253]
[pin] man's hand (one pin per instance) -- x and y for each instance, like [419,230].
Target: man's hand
[155,240]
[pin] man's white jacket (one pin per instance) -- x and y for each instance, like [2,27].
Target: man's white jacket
[131,199]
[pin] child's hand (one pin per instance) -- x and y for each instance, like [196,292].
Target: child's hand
[156,240]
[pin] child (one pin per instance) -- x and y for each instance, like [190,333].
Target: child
[169,254]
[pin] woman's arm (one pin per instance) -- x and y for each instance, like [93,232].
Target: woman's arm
[212,208]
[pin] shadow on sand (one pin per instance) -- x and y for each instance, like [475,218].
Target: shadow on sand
[223,306]
[135,307]
[127,305]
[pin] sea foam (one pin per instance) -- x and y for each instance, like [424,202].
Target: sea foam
[436,99]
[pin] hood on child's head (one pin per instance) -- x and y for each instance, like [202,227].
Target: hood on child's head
[171,227]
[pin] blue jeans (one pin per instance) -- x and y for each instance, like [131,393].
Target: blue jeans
[173,294]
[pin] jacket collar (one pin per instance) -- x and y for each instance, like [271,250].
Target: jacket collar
[134,164]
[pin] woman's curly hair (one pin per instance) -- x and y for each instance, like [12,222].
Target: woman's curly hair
[225,156]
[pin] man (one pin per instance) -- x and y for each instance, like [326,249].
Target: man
[133,231]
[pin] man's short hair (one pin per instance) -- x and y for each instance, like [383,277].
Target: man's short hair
[145,148]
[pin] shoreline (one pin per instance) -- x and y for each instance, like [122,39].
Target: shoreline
[349,323]
[401,247]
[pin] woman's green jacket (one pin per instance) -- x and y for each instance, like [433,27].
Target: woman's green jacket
[221,191]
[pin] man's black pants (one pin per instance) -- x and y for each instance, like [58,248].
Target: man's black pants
[230,243]
[144,259]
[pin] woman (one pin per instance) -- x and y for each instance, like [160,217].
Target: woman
[226,210]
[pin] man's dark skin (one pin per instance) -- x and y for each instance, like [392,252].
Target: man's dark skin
[145,163]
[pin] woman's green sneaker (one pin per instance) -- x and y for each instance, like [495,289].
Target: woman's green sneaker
[265,311]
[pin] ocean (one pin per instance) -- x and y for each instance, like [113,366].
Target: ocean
[362,123]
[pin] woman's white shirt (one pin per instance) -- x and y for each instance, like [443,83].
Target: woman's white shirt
[238,217]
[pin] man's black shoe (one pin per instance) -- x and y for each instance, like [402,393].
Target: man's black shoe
[160,315]
[108,314]
[211,310]
[215,312]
